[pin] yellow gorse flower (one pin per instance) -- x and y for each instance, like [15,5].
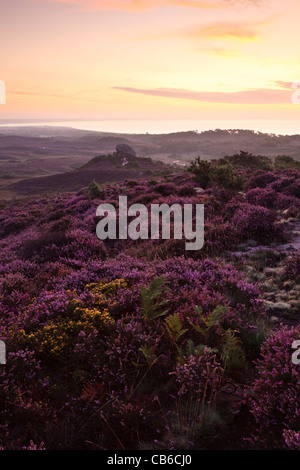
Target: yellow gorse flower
[58,336]
[106,288]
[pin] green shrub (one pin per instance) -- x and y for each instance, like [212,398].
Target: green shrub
[95,191]
[248,160]
[283,162]
[201,169]
[225,176]
[206,173]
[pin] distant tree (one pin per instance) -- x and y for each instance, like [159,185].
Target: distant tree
[201,169]
[225,176]
[222,173]
[285,161]
[248,160]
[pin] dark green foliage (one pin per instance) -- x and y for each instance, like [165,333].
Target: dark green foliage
[227,342]
[186,191]
[248,160]
[233,357]
[225,176]
[174,327]
[133,165]
[132,183]
[153,300]
[95,191]
[201,170]
[283,162]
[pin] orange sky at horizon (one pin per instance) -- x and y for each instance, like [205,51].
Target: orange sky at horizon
[154,59]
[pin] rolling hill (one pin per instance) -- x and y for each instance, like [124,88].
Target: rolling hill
[103,169]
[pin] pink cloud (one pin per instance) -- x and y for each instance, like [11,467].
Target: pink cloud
[282,84]
[226,30]
[140,5]
[252,96]
[218,31]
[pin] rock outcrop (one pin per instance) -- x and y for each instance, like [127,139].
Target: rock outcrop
[124,150]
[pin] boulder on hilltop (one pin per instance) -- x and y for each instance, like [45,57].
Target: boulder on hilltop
[124,150]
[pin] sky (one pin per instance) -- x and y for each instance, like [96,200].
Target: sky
[150,59]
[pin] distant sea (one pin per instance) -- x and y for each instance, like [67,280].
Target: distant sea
[163,126]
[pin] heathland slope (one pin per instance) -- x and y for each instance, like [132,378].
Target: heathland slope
[142,344]
[68,148]
[103,168]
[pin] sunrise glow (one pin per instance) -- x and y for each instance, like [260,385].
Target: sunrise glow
[150,59]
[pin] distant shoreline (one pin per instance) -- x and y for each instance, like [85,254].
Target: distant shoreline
[133,126]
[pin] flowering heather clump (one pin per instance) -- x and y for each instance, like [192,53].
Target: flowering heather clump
[146,198]
[290,204]
[274,396]
[165,189]
[187,190]
[294,189]
[292,267]
[123,362]
[260,179]
[33,446]
[262,197]
[199,375]
[255,222]
[292,439]
[56,338]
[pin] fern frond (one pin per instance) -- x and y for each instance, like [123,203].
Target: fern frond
[149,355]
[232,353]
[153,301]
[174,327]
[209,321]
